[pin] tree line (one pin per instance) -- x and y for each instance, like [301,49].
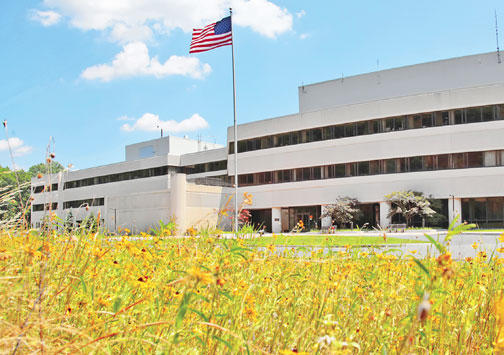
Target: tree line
[15,189]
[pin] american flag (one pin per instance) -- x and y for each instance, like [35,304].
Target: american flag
[216,35]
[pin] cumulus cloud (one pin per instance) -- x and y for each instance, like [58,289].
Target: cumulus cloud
[263,17]
[150,122]
[17,145]
[133,20]
[134,60]
[46,18]
[125,33]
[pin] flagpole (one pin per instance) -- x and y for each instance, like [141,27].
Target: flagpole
[235,130]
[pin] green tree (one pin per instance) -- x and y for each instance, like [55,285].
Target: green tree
[409,204]
[44,168]
[11,205]
[440,218]
[13,197]
[343,211]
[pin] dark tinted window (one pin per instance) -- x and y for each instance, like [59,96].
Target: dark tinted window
[473,115]
[137,174]
[336,171]
[459,117]
[487,113]
[390,124]
[350,130]
[48,207]
[362,128]
[374,167]
[328,133]
[83,203]
[416,164]
[475,160]
[390,166]
[443,161]
[458,161]
[399,165]
[363,168]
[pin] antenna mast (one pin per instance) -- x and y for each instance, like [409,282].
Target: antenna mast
[497,38]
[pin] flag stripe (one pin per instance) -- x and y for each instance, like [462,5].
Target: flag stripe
[214,38]
[198,30]
[207,49]
[205,39]
[207,46]
[203,32]
[210,42]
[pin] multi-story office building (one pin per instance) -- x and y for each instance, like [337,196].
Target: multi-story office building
[159,179]
[435,128]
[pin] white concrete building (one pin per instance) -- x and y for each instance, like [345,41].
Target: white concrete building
[156,182]
[436,128]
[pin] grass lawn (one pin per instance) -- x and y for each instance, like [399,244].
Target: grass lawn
[324,240]
[499,230]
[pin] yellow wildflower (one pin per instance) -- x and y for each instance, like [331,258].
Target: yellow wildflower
[499,316]
[200,276]
[271,248]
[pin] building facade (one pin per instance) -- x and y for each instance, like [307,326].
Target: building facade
[161,179]
[435,128]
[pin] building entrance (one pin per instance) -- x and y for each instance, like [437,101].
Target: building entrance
[369,215]
[310,215]
[261,219]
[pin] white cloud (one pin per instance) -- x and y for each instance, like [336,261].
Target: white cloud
[17,145]
[24,150]
[124,33]
[304,36]
[133,20]
[46,18]
[300,14]
[263,17]
[150,122]
[134,60]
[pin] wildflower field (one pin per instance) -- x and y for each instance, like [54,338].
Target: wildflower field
[82,293]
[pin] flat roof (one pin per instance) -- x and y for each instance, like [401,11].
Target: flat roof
[441,75]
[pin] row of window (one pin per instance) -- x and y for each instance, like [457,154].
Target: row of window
[382,125]
[47,188]
[486,212]
[48,206]
[128,175]
[143,173]
[375,167]
[69,204]
[206,167]
[220,180]
[84,203]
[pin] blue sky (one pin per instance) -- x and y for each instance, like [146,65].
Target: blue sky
[59,78]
